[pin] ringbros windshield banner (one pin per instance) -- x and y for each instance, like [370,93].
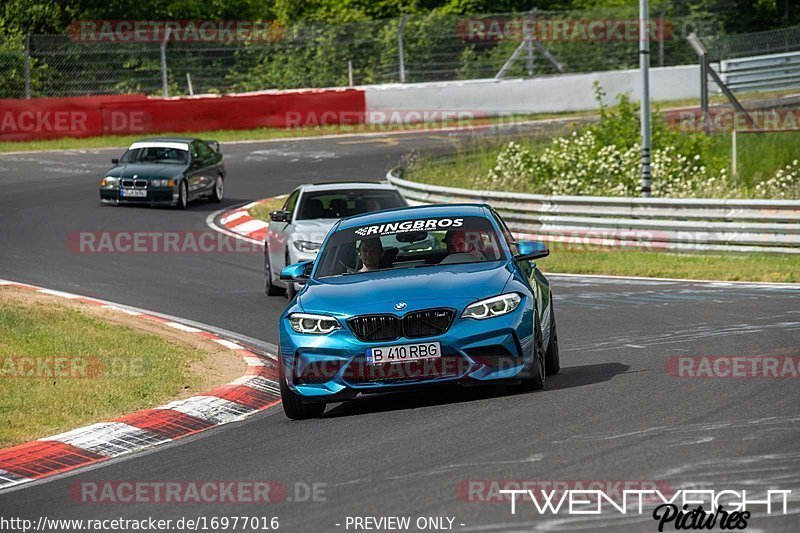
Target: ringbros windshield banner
[393,228]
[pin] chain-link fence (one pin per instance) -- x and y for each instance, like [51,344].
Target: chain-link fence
[722,47]
[419,48]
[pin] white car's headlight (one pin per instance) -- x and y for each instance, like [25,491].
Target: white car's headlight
[307,246]
[314,324]
[491,307]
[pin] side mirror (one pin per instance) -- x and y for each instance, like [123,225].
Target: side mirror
[530,250]
[279,216]
[115,161]
[298,272]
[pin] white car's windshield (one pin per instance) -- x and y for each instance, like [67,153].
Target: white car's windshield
[340,204]
[155,154]
[409,244]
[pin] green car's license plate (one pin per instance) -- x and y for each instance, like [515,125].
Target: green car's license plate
[133,193]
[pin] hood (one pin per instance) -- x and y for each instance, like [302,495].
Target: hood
[312,230]
[146,170]
[420,288]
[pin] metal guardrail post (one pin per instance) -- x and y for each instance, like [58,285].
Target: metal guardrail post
[28,66]
[400,52]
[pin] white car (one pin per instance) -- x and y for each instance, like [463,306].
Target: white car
[296,232]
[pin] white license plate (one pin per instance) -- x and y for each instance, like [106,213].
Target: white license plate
[402,353]
[133,193]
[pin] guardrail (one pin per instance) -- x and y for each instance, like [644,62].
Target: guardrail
[704,224]
[762,73]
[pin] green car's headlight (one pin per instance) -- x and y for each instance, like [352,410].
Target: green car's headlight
[307,246]
[313,324]
[160,182]
[491,307]
[109,182]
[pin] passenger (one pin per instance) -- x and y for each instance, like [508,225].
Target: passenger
[460,241]
[370,251]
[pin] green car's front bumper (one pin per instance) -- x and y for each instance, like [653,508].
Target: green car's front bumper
[160,196]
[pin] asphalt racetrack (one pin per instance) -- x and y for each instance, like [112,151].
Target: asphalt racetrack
[614,413]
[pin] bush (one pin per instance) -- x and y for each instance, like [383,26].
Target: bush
[604,159]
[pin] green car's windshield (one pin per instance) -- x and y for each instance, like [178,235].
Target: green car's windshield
[155,155]
[411,243]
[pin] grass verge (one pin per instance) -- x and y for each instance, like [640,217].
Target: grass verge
[262,209]
[64,366]
[728,267]
[262,134]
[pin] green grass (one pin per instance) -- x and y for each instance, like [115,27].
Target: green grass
[138,370]
[758,156]
[259,134]
[728,267]
[263,209]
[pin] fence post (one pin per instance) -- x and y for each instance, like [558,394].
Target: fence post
[702,55]
[402,63]
[661,37]
[27,66]
[644,66]
[529,59]
[350,72]
[164,84]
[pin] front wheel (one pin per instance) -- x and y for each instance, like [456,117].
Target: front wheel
[270,288]
[294,407]
[552,360]
[183,195]
[535,381]
[219,190]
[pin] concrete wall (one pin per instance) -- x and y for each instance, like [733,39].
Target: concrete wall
[572,92]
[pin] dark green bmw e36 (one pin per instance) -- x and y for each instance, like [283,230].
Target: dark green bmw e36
[165,171]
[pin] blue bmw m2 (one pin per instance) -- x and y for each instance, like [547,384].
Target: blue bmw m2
[415,297]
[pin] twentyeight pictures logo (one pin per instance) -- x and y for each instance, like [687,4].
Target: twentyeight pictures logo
[683,509]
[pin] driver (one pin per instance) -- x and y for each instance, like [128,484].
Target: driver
[460,241]
[370,251]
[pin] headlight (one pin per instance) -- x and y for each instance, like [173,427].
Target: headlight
[495,306]
[109,182]
[161,182]
[307,246]
[314,324]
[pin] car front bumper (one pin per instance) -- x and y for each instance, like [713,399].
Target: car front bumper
[154,197]
[333,366]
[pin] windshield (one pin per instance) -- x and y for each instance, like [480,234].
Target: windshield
[410,243]
[155,155]
[340,204]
